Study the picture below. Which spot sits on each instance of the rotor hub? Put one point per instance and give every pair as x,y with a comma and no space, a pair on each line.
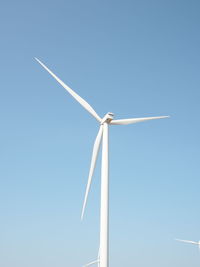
108,117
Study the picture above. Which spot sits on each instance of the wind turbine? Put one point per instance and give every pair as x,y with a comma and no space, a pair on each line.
102,136
189,242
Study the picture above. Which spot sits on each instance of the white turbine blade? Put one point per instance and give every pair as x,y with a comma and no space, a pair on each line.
99,257
70,91
93,262
92,166
135,120
188,241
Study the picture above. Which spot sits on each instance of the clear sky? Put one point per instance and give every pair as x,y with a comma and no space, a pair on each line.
132,58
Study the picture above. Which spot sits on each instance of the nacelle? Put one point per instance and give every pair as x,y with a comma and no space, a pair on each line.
107,118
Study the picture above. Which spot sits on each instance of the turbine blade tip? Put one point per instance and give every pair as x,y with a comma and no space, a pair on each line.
38,60
165,117
82,214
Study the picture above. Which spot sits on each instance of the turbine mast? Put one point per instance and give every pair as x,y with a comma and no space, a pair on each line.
104,209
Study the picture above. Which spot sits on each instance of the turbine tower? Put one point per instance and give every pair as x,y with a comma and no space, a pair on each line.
102,136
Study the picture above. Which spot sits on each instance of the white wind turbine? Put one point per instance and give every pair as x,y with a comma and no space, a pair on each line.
103,137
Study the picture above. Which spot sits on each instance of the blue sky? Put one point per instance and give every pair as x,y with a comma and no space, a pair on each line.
135,59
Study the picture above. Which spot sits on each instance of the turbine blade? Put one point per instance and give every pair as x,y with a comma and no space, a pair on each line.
135,120
72,93
188,241
92,166
99,257
93,262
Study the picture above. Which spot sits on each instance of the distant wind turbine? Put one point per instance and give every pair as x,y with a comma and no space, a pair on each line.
102,136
